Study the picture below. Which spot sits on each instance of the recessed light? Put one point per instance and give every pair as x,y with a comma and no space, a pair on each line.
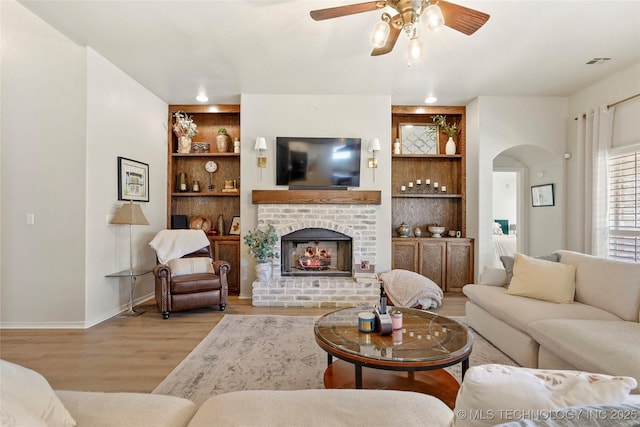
430,99
202,98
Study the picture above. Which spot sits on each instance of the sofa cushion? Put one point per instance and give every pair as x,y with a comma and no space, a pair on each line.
14,414
504,393
508,261
182,266
541,279
33,392
322,408
610,347
520,311
608,284
98,409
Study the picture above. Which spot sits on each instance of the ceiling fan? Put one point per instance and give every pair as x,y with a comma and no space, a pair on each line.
385,32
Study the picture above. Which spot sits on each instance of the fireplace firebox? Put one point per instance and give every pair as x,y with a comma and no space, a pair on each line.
316,252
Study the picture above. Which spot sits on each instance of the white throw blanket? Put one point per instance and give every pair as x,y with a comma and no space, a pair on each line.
408,289
172,244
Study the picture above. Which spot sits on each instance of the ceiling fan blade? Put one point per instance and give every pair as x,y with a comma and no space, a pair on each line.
461,18
391,42
351,9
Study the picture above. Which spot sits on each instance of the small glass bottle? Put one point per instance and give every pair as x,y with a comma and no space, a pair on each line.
182,182
236,145
196,186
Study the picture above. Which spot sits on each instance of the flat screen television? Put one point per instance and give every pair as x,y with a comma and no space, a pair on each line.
319,163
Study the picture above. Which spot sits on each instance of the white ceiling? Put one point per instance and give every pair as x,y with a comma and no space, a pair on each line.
179,48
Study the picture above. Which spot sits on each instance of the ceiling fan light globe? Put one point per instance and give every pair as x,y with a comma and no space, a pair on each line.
379,34
434,20
415,49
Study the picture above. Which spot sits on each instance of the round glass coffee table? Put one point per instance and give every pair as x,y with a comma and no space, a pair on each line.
411,358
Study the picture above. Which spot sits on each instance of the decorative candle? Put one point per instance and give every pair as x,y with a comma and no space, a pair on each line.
418,182
410,184
366,321
396,319
427,181
435,185
444,188
403,188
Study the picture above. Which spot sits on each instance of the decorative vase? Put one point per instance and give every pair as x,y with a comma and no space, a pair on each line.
222,142
221,225
450,148
403,230
184,144
263,271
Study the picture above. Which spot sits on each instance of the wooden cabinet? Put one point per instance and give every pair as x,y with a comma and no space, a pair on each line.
446,261
211,201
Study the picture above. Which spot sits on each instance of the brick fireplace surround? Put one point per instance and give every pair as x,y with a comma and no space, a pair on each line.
357,221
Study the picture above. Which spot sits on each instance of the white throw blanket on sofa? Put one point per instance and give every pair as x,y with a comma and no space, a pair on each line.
172,244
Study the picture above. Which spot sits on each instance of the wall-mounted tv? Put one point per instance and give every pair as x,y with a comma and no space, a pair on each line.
320,163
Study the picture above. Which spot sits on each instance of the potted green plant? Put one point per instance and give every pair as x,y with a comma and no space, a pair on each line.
222,140
450,130
261,245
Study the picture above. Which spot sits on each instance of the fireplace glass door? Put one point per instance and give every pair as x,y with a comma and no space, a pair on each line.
316,252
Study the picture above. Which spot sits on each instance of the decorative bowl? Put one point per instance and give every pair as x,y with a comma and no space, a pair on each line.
435,231
200,147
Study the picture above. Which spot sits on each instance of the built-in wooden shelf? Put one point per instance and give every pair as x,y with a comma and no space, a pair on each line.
339,197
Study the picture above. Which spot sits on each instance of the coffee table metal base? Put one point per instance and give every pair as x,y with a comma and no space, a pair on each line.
438,382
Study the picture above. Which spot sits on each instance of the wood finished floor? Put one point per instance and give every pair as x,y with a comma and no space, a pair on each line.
134,354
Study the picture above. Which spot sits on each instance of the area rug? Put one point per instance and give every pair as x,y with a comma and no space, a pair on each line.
269,353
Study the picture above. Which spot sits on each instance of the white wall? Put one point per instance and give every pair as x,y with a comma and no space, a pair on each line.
68,114
626,131
365,117
123,119
496,124
504,196
43,173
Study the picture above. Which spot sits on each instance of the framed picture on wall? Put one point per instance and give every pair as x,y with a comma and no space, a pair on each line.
133,180
542,195
235,226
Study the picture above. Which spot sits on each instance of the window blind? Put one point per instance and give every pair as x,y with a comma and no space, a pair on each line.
624,206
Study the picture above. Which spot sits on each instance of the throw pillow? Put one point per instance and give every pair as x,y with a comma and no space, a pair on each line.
195,265
33,392
543,280
507,262
14,414
408,289
492,394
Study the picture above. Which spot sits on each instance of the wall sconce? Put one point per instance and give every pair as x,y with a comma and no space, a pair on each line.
261,145
374,146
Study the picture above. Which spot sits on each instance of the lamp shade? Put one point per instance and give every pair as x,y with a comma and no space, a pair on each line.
129,214
261,143
374,145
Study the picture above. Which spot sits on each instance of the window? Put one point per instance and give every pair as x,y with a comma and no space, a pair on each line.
624,204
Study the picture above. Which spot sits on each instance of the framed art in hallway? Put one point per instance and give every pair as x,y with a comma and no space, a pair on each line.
542,195
133,180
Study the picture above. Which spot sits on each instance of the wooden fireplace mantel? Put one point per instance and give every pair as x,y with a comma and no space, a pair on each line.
326,197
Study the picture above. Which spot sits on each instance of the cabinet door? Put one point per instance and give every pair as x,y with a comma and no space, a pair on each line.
433,261
229,250
405,255
459,265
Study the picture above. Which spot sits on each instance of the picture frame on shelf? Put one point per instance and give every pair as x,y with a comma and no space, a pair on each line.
542,195
419,138
133,180
235,226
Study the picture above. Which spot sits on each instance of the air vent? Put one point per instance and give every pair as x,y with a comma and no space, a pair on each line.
598,61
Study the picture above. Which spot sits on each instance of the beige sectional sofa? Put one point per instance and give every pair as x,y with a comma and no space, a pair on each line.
598,332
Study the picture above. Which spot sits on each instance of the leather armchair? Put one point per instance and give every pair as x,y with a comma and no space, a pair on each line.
190,291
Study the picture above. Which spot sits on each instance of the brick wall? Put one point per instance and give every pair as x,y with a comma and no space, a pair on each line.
357,222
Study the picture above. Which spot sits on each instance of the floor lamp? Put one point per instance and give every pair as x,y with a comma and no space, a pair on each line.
130,214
